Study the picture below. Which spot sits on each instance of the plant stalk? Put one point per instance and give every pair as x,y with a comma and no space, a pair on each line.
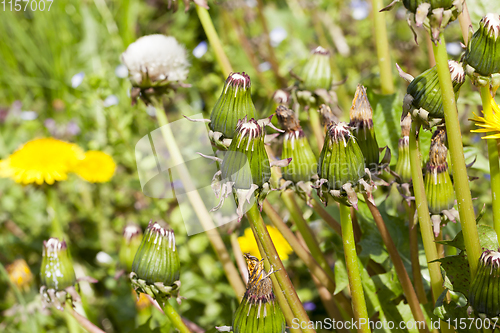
238,256
415,264
174,317
493,158
84,322
270,253
404,279
351,261
213,39
423,213
306,232
198,204
316,127
460,178
307,258
382,42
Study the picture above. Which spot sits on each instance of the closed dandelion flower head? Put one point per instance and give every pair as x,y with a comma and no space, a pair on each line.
155,60
20,274
489,124
41,161
248,244
96,167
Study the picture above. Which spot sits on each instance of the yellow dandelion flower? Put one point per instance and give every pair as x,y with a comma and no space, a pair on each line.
96,167
20,274
248,244
41,160
490,124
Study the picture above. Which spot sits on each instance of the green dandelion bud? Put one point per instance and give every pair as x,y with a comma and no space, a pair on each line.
482,56
131,240
245,168
341,165
484,292
57,274
303,166
403,167
155,270
234,103
317,73
424,99
438,186
258,311
361,115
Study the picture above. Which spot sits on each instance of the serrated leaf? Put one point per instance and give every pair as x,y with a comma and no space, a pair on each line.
487,239
457,273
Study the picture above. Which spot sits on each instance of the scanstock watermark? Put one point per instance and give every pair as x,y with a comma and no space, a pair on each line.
330,324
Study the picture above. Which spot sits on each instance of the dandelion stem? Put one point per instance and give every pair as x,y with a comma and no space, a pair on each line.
317,127
493,158
351,260
213,38
423,212
52,204
84,322
198,204
313,266
270,50
461,180
382,42
270,253
296,214
415,264
174,317
401,272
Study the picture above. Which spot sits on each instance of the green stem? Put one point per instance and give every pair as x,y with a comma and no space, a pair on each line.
493,158
213,39
174,317
423,213
316,127
415,264
307,258
52,203
198,204
306,232
460,178
270,253
383,54
270,50
84,322
404,279
351,260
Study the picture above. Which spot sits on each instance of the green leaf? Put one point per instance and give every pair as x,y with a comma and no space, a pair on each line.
457,273
386,120
341,278
487,238
454,312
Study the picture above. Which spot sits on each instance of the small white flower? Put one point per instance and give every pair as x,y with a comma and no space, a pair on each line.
159,57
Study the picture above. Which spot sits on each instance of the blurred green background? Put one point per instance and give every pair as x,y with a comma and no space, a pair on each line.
43,55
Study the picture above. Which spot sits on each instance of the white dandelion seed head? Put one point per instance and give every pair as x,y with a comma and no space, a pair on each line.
160,57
